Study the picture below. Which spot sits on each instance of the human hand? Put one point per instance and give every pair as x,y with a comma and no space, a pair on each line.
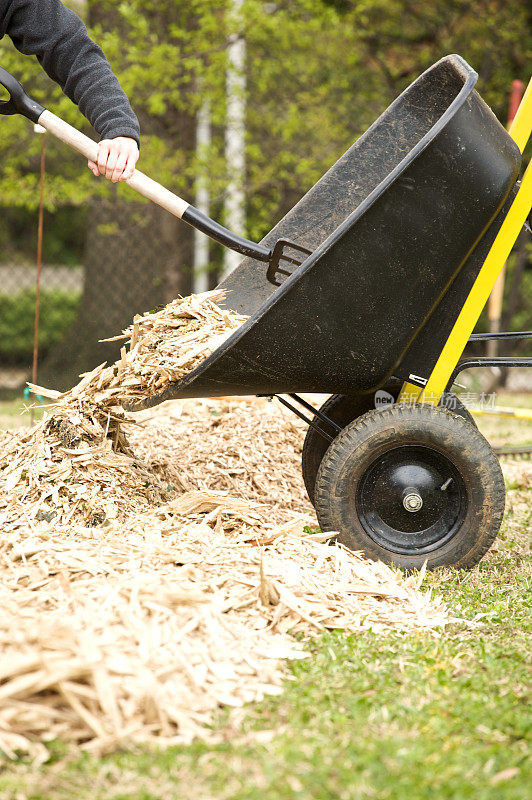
116,158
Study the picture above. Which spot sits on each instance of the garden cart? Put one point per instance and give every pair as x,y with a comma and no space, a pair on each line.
401,242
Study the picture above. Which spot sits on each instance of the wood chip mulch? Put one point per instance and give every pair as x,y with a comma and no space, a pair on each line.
148,579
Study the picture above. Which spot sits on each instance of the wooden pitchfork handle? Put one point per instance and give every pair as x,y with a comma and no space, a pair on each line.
20,103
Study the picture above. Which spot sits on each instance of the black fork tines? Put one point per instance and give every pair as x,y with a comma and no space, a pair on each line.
279,257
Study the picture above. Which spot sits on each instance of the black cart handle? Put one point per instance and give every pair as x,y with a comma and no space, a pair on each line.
20,103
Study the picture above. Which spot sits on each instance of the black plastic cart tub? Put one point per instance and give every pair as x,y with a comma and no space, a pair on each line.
397,227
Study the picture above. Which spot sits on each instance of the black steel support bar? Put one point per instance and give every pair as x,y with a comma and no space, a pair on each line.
303,417
319,414
486,337
499,361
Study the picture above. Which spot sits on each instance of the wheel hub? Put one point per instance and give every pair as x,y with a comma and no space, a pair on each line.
411,499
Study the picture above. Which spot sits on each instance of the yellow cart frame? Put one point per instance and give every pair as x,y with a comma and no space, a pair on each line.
445,368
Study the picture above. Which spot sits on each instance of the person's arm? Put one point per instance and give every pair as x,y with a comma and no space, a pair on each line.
58,37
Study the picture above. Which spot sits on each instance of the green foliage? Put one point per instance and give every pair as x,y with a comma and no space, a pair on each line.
68,182
318,73
58,311
64,232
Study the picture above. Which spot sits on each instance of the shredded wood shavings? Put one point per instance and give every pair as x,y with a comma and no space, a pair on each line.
144,583
164,346
77,464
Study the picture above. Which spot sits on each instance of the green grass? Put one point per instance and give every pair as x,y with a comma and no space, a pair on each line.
13,414
368,716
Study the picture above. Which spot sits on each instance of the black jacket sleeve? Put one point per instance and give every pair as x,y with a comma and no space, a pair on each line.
58,37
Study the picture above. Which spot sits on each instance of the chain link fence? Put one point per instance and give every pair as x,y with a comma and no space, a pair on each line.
133,257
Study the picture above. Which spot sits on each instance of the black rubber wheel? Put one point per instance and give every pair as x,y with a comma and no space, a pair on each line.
409,484
343,409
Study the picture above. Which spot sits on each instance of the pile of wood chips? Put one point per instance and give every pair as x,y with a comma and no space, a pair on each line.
76,464
146,583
